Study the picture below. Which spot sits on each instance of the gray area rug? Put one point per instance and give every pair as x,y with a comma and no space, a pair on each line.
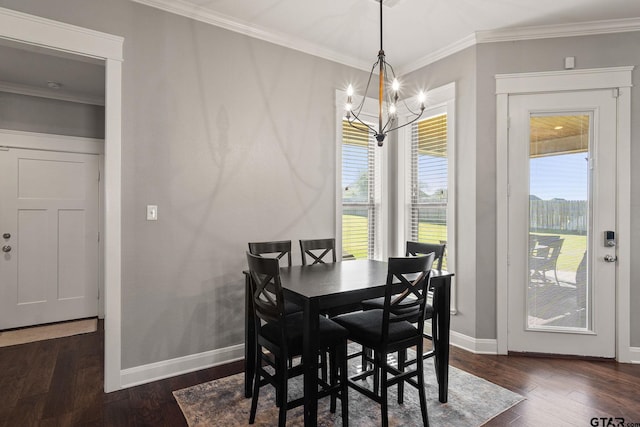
472,402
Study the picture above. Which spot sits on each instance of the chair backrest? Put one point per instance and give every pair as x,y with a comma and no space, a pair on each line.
328,246
266,289
417,248
281,248
406,290
554,250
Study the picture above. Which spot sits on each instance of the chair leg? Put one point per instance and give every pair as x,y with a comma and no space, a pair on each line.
283,379
382,368
323,365
402,357
333,377
421,391
344,386
256,385
376,372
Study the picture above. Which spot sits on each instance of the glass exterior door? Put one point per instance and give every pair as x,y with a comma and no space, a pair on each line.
561,170
559,222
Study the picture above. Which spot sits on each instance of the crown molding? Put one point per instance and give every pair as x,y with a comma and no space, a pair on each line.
189,10
50,93
457,46
18,26
560,30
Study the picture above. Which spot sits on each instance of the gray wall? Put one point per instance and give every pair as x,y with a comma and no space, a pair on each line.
461,69
234,140
44,115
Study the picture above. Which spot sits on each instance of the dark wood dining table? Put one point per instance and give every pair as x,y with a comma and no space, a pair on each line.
328,287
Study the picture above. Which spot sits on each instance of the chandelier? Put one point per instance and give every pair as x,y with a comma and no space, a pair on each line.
388,97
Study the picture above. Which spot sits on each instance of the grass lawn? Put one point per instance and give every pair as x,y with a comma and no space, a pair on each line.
356,227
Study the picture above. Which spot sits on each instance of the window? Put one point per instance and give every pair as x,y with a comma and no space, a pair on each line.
360,207
429,180
427,157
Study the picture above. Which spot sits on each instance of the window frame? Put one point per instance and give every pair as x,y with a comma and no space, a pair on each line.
440,100
369,113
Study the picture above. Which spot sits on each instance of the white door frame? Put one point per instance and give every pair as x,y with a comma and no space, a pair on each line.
34,30
616,78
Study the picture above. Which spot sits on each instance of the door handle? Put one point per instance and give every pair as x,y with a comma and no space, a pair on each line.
6,248
610,258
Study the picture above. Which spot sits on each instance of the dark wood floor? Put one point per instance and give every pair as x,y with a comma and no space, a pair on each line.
59,383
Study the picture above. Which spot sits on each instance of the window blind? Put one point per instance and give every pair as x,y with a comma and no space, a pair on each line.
359,210
429,180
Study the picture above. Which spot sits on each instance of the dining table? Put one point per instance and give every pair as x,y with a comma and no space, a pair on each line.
322,288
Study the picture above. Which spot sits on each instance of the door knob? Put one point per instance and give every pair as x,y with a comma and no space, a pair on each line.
610,258
6,248
6,236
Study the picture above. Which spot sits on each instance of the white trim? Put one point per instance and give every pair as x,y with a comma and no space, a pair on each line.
189,10
437,55
634,353
474,345
438,101
623,226
181,365
49,142
508,84
560,30
208,16
564,80
341,97
33,30
49,93
21,27
369,111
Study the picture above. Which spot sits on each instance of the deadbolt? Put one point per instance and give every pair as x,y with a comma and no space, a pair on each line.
6,236
6,248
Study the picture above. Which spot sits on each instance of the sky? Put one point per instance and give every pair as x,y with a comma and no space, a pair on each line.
562,177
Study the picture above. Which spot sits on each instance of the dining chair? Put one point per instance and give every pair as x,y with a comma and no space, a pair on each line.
282,248
311,248
396,327
282,336
414,249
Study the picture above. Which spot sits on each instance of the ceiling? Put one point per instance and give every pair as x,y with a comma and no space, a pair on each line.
416,32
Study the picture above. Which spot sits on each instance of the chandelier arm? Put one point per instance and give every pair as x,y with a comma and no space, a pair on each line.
361,122
366,90
406,124
415,113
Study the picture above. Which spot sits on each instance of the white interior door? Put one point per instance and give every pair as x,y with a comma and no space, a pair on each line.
49,226
561,184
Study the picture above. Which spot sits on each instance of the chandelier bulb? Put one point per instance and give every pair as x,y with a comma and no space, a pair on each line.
395,85
392,109
350,91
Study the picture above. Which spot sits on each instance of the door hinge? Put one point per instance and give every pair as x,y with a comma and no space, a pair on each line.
508,260
99,175
509,122
616,92
508,190
98,236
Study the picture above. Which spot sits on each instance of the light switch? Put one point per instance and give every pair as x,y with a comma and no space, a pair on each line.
152,212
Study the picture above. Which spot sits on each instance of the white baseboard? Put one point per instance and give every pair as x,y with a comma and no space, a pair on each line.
474,345
634,355
490,346
181,365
